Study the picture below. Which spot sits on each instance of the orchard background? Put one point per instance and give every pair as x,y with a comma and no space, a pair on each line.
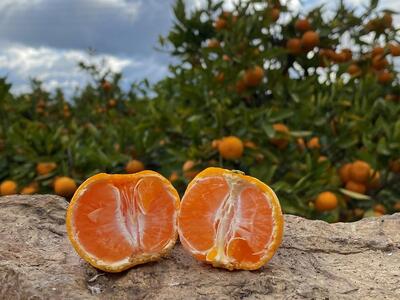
308,103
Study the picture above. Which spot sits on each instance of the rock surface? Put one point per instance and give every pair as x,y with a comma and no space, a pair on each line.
316,260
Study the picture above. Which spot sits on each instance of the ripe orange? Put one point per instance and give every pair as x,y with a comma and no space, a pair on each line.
254,76
356,187
302,25
281,130
173,177
112,103
8,187
374,181
385,77
220,77
220,24
394,166
313,143
45,168
360,171
239,225
106,86
226,57
274,14
250,145
64,186
379,62
377,51
309,40
294,46
134,166
379,208
344,173
231,147
213,43
115,222
354,70
240,86
326,201
394,49
30,189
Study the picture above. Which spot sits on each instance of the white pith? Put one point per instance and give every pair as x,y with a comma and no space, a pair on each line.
226,228
131,225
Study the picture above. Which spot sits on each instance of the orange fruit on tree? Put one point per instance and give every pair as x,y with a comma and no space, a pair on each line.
394,165
274,14
254,76
379,62
112,103
8,187
231,147
220,24
344,173
44,168
301,145
309,40
282,130
326,201
213,43
360,171
356,187
250,145
302,25
30,189
220,77
374,181
188,169
239,225
240,86
118,221
64,186
134,166
106,86
354,70
173,177
214,144
377,51
226,58
347,53
313,143
385,77
294,46
322,158
379,208
396,206
394,49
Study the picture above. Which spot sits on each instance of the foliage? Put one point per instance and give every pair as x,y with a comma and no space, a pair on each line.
209,95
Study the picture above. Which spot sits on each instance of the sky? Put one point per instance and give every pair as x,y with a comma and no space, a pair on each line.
45,39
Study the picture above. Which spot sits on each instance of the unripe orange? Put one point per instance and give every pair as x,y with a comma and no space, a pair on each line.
326,201
231,147
134,166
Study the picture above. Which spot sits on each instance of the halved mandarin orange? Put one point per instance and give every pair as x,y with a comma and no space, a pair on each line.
230,220
118,221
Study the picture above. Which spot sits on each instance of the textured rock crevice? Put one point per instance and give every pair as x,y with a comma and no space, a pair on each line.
316,260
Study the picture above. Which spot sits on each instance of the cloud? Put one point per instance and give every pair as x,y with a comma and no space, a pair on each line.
59,68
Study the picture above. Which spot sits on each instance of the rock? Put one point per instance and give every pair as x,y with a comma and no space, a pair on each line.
317,260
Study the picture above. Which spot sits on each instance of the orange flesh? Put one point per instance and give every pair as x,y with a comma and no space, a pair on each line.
226,220
115,219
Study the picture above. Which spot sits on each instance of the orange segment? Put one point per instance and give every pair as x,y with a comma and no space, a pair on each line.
117,221
230,220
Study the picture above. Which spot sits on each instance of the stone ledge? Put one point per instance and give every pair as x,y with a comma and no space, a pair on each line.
317,260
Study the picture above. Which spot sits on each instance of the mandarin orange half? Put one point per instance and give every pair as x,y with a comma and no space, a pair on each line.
230,220
118,221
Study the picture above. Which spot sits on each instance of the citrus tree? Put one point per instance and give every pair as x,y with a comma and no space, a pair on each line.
308,102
